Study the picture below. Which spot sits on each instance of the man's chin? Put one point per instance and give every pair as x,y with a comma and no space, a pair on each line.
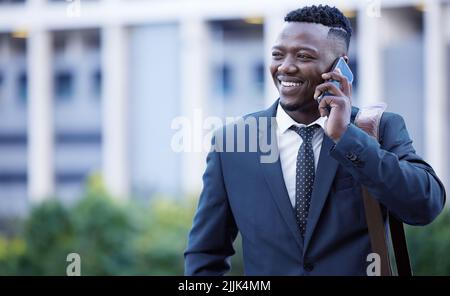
293,104
289,106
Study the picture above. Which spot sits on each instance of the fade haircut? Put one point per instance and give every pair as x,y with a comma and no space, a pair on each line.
332,17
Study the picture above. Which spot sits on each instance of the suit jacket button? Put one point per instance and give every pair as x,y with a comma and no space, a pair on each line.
351,156
308,266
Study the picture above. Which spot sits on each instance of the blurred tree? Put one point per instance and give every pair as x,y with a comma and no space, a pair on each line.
429,246
134,238
48,234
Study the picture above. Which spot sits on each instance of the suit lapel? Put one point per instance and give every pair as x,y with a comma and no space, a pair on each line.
274,175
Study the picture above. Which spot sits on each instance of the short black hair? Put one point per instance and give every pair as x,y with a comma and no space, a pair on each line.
328,16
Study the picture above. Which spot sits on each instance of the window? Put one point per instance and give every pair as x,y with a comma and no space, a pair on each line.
60,41
19,139
9,177
78,138
259,71
91,39
11,1
22,86
19,46
97,83
70,177
64,85
223,75
1,85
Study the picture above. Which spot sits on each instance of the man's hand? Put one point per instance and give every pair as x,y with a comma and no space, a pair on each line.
339,101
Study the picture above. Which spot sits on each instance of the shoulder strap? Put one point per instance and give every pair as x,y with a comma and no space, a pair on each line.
377,233
400,246
368,119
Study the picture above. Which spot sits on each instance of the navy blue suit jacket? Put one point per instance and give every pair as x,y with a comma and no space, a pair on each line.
240,193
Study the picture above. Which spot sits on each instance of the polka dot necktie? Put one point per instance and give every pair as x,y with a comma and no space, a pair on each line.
304,176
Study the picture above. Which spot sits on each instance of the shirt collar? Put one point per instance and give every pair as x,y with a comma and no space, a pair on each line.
284,121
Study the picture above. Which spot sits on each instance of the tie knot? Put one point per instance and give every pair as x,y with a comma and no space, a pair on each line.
306,133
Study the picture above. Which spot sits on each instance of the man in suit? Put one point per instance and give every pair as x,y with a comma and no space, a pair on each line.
303,213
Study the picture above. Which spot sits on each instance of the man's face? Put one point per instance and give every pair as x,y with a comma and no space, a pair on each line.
300,55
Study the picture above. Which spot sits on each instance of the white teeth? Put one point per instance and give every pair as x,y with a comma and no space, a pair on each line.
289,84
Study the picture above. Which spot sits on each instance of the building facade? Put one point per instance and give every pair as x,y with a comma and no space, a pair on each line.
93,87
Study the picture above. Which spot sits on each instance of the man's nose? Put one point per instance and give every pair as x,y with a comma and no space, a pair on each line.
288,66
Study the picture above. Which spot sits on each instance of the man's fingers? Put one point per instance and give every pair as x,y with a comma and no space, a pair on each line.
328,87
324,106
343,81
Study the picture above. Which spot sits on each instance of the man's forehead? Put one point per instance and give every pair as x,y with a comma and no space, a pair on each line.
301,29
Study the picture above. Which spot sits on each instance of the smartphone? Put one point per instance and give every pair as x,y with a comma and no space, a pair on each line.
340,64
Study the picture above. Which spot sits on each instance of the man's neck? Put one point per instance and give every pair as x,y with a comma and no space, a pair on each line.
303,116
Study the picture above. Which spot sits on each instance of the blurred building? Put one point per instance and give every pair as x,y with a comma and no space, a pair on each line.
93,86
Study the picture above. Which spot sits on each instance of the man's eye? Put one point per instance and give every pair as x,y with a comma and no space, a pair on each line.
276,54
304,57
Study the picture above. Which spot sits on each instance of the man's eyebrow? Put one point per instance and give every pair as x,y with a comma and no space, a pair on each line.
306,48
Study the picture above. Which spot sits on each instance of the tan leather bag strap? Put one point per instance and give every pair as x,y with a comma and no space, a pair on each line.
377,231
368,119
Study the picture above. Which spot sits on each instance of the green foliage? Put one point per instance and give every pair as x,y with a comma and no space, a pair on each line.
49,235
108,236
11,252
132,238
111,237
429,246
163,237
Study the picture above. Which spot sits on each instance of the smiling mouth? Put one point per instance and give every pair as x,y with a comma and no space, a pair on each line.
290,84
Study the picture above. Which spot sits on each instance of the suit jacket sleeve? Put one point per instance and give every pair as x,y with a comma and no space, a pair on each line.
210,242
392,172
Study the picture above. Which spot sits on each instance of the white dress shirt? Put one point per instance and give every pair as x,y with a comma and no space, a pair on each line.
288,144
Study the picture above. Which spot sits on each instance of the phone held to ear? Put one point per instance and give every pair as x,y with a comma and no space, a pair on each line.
340,64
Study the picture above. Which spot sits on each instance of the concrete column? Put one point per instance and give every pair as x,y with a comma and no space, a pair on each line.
369,57
194,59
447,23
436,94
40,116
114,110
